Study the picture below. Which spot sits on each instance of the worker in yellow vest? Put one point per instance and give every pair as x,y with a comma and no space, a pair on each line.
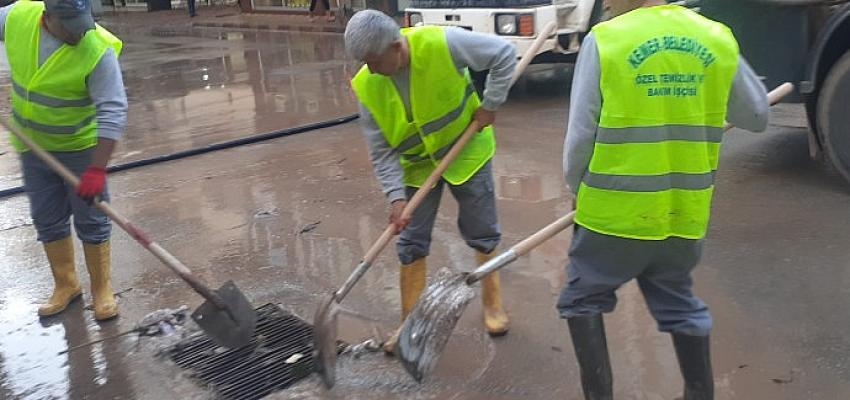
416,99
68,97
651,91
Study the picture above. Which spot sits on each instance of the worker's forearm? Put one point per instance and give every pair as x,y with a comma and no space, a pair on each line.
585,108
481,52
103,152
748,107
498,83
106,89
4,12
385,159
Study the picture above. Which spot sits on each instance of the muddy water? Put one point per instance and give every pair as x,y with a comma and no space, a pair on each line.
210,86
774,270
215,86
429,326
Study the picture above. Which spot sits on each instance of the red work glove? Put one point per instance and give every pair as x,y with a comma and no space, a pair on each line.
92,183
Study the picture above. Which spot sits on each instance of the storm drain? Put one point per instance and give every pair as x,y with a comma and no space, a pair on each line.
280,354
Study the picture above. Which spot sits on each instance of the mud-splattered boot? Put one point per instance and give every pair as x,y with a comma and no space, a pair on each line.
60,254
495,319
411,282
694,357
98,261
591,348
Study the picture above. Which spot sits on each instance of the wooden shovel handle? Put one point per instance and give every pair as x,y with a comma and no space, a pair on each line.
140,236
522,248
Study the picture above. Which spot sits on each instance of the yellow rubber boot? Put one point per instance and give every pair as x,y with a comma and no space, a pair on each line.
60,254
98,261
495,319
411,282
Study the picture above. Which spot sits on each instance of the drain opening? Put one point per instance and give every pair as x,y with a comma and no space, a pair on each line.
279,355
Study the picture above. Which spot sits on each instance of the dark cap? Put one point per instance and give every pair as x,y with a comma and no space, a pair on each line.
75,15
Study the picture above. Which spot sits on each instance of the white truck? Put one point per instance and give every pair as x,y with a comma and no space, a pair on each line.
518,21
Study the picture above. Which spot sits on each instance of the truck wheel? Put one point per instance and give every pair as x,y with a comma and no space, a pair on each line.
833,118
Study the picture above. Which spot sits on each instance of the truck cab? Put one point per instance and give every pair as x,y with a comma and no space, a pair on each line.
518,21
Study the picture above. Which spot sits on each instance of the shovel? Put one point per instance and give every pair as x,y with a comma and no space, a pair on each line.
325,319
227,316
427,329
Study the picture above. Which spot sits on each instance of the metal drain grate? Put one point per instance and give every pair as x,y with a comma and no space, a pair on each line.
280,354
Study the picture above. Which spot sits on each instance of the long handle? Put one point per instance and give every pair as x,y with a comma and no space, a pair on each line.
137,234
435,176
522,248
773,97
554,228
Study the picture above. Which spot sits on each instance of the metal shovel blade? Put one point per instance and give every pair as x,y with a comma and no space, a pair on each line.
230,326
427,329
324,340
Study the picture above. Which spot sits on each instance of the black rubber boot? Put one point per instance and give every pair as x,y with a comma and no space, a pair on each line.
694,357
591,348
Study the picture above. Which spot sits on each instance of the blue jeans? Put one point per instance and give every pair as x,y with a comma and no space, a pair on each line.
53,202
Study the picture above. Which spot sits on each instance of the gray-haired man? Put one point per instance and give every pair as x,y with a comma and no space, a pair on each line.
416,99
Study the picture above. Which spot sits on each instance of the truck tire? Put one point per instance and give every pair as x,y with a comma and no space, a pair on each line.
833,117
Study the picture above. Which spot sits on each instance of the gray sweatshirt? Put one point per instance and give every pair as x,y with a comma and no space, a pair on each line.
476,51
106,87
747,109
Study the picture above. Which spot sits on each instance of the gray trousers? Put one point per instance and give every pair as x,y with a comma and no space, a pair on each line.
599,264
476,219
52,201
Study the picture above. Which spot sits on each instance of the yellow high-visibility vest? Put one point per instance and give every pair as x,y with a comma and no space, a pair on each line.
442,103
51,103
666,75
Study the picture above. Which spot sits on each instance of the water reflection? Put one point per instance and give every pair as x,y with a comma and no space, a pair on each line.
31,365
232,85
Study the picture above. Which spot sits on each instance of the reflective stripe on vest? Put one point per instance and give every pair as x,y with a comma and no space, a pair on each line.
442,104
666,73
50,102
52,129
649,183
434,126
